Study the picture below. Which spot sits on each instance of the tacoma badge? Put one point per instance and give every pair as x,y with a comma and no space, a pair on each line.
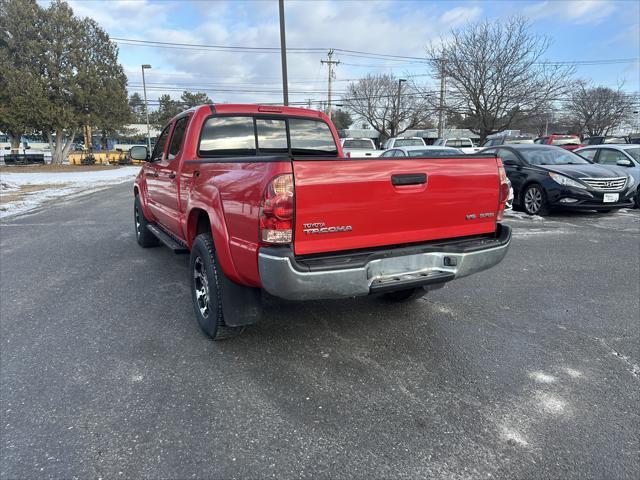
312,228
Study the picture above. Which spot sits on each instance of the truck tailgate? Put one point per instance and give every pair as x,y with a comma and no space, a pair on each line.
344,204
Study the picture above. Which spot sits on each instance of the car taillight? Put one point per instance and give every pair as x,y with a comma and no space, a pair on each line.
348,155
276,210
504,190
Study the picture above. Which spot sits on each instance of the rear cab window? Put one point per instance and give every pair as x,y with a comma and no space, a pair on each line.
363,144
408,142
250,136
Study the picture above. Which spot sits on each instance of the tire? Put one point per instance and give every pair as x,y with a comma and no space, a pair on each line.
638,198
206,292
534,200
144,237
405,295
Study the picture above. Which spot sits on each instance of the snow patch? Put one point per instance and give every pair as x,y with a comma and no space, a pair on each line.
509,435
551,403
71,183
542,377
523,216
573,373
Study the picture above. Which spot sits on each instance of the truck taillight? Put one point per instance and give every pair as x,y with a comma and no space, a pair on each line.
504,190
276,210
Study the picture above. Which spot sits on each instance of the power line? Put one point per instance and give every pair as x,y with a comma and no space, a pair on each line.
343,51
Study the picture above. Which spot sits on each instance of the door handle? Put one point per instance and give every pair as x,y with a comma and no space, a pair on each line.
409,179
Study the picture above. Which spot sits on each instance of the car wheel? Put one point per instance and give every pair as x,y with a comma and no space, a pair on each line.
205,289
534,200
404,295
144,237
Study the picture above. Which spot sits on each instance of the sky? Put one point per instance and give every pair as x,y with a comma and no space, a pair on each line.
583,30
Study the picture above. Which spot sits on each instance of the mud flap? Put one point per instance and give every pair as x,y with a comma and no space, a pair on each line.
241,305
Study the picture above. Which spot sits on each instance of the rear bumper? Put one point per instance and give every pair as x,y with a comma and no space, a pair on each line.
429,265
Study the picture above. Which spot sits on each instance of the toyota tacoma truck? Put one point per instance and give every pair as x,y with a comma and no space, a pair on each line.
262,198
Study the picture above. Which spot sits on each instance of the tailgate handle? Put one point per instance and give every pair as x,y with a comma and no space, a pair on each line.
409,179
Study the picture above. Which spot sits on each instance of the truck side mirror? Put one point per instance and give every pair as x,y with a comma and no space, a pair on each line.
509,162
139,152
624,163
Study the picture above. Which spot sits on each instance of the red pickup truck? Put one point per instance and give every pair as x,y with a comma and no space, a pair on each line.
263,198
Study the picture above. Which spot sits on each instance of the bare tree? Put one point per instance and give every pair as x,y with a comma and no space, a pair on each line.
598,110
388,107
495,74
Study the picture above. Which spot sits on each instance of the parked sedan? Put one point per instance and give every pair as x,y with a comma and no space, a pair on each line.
624,155
545,177
424,151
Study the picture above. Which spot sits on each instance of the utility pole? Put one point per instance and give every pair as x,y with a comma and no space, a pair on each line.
283,55
330,63
400,80
443,88
309,103
146,106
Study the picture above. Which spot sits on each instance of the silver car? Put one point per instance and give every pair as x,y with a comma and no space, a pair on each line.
623,155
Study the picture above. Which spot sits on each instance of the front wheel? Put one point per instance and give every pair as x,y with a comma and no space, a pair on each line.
206,294
534,200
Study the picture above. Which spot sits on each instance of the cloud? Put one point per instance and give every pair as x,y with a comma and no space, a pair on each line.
575,11
383,26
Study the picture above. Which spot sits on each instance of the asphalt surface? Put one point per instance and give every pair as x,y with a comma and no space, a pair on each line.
529,370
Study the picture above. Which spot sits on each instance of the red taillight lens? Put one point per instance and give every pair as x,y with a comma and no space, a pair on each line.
276,210
348,155
504,190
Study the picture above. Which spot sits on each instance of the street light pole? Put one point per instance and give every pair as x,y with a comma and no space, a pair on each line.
400,80
283,55
146,106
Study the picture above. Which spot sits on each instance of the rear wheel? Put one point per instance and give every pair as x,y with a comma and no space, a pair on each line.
206,289
144,237
405,295
534,200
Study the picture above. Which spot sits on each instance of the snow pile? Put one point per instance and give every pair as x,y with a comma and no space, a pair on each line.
70,183
8,186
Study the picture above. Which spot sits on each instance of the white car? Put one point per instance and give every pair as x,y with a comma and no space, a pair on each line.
464,144
426,151
359,147
395,142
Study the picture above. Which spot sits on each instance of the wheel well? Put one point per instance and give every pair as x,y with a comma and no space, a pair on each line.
199,222
136,192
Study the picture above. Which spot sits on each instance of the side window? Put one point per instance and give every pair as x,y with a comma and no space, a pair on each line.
589,154
311,137
508,157
228,136
177,137
466,143
400,153
158,150
272,135
610,157
387,154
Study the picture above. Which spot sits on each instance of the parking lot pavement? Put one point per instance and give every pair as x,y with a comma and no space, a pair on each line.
529,370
